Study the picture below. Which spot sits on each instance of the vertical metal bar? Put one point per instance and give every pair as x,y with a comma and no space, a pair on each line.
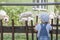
57,29
26,23
12,29
52,30
36,19
1,29
32,30
38,2
33,1
36,22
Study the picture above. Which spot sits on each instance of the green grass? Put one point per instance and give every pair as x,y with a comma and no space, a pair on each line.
17,36
22,36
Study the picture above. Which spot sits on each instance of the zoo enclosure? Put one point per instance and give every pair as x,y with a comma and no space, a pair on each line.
26,29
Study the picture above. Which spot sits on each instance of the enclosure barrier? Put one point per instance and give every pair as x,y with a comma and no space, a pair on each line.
26,29
28,4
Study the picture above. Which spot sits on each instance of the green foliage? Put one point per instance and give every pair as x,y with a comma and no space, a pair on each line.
13,13
18,36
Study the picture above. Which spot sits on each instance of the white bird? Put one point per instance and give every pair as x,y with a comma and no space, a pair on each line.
26,16
2,12
4,16
52,15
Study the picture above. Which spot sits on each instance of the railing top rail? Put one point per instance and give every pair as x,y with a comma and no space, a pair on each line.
27,4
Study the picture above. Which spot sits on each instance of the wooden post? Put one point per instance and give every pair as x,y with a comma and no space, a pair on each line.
57,29
38,2
26,23
36,19
32,30
1,28
36,22
52,30
12,29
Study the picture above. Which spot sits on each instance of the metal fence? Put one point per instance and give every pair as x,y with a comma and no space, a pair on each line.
28,4
27,29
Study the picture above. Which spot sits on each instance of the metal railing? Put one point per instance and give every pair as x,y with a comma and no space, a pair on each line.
27,29
28,4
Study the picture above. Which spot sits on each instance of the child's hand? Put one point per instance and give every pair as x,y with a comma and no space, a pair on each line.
35,26
35,31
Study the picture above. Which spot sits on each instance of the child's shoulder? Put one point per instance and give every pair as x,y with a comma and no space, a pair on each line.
38,25
49,24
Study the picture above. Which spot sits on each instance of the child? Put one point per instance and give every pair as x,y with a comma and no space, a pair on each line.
44,28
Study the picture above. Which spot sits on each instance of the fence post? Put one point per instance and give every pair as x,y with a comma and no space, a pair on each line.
52,29
57,29
12,29
1,28
26,23
36,22
36,19
32,30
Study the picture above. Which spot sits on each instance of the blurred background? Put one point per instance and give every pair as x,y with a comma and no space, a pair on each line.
14,13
